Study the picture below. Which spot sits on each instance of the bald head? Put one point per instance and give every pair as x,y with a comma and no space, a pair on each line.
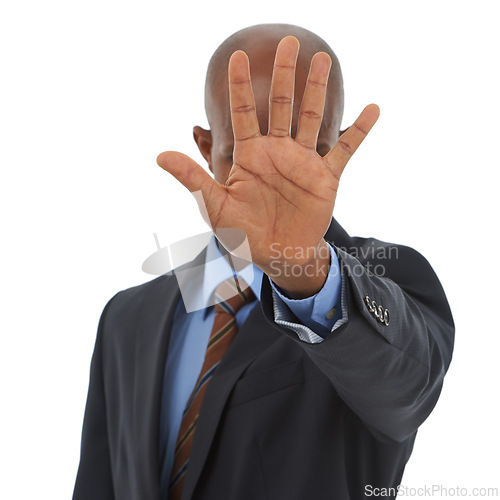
260,43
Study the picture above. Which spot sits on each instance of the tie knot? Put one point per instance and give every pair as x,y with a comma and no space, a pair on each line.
231,295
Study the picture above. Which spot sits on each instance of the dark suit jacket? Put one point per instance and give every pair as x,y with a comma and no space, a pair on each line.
282,419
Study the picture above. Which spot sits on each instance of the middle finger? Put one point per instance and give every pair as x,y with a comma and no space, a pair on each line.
282,87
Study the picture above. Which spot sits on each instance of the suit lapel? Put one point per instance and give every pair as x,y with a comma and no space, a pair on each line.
254,337
157,313
159,304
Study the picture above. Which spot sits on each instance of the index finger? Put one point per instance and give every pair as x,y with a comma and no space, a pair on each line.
241,99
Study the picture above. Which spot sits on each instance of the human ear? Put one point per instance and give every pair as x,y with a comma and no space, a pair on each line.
203,139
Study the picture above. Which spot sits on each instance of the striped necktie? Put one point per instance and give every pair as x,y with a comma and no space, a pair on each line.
230,296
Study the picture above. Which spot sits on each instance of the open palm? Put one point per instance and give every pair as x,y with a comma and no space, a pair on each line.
280,191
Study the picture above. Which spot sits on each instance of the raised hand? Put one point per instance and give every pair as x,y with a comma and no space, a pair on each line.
279,191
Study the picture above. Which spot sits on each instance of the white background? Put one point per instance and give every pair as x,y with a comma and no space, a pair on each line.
92,91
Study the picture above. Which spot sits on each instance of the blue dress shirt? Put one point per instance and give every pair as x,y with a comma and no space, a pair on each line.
320,314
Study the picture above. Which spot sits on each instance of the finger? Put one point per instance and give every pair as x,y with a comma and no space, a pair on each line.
313,101
282,87
241,99
350,140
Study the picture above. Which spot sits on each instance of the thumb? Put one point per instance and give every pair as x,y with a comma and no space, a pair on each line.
186,171
196,179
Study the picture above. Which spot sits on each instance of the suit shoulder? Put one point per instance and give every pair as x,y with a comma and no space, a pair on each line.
404,262
125,306
134,292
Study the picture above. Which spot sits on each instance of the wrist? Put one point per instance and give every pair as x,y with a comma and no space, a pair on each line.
300,280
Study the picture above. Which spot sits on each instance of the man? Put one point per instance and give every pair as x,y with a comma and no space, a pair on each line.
314,386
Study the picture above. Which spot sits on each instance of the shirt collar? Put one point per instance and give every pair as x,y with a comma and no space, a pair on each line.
217,269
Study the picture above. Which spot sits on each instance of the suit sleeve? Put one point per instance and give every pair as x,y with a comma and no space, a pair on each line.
388,369
94,480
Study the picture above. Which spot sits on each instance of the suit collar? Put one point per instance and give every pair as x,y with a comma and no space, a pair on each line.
336,235
217,269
